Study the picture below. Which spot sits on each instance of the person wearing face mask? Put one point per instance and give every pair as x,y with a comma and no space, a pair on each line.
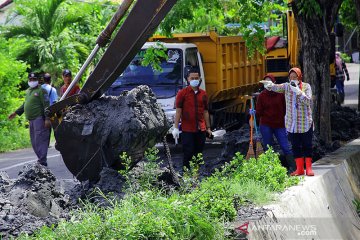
192,109
298,118
36,100
270,110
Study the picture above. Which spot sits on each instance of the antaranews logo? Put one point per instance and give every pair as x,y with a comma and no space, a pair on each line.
243,228
300,230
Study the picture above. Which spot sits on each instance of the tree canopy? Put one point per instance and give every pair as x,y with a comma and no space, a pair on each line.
229,17
347,15
57,34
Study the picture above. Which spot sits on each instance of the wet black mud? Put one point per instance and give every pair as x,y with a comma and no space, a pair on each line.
93,136
32,200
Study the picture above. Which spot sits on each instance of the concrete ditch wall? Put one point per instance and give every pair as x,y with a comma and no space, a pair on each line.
320,207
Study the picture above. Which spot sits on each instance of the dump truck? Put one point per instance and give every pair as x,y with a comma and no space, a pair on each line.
229,75
283,53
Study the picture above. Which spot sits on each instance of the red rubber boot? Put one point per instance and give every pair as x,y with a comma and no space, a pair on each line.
299,167
308,162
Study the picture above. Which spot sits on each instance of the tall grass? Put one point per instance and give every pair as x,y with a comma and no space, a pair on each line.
197,213
11,139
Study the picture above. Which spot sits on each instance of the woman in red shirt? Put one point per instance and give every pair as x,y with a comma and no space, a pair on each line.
271,109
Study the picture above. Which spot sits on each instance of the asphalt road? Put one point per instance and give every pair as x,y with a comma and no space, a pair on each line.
13,162
352,86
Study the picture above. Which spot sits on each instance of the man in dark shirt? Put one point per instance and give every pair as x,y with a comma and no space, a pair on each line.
192,108
36,100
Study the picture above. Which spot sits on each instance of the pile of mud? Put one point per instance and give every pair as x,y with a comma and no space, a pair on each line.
93,136
110,184
345,123
31,201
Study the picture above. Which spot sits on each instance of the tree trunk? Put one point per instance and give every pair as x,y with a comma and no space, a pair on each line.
357,6
314,31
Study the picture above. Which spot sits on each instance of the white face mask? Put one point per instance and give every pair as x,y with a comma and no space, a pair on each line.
33,84
194,83
295,81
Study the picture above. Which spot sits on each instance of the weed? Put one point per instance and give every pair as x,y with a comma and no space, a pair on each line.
191,176
267,169
357,205
198,210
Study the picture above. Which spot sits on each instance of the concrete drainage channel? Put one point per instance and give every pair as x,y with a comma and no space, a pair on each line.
320,207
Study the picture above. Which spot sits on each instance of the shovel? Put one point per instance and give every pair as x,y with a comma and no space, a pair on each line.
251,153
259,148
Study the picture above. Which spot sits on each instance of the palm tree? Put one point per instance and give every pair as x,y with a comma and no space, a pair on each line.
49,41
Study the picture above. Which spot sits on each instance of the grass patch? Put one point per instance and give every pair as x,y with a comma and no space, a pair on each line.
17,139
357,206
142,215
253,191
197,210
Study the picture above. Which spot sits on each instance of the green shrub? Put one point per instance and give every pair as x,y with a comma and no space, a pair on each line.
346,58
13,137
216,197
357,205
252,191
191,178
151,172
143,215
13,134
198,210
267,170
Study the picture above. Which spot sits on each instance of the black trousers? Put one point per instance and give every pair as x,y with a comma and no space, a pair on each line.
302,143
192,144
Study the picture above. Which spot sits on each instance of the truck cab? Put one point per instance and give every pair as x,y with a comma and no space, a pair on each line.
165,84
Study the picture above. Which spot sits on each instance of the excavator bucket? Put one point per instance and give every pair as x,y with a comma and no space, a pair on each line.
140,24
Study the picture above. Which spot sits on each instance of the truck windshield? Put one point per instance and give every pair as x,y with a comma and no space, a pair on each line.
163,83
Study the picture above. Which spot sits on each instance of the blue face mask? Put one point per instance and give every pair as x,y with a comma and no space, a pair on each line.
132,67
194,83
